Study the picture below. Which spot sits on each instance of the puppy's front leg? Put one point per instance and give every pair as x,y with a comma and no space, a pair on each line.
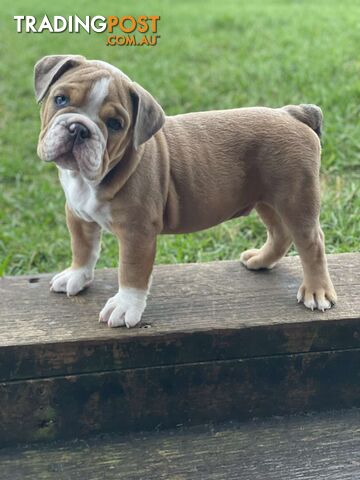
85,247
137,254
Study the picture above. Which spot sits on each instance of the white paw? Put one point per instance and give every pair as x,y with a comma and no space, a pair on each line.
72,280
125,308
319,298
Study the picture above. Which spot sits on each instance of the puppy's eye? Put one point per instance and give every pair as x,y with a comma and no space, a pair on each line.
61,100
113,124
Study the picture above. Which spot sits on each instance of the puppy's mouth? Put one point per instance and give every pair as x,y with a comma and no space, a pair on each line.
74,142
66,160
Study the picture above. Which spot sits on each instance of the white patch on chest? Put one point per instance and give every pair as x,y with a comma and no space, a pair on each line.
82,200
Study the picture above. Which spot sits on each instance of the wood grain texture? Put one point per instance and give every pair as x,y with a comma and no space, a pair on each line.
312,447
163,397
221,343
196,312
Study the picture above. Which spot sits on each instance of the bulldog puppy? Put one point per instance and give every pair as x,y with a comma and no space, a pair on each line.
127,168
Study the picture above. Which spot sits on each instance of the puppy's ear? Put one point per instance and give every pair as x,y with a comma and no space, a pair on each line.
48,69
149,116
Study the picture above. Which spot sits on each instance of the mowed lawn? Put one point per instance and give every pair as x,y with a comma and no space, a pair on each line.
211,55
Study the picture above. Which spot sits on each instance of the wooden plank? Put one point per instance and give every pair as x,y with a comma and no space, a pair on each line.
196,312
312,447
163,397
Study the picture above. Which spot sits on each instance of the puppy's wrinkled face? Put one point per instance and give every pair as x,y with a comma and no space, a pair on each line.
91,113
86,119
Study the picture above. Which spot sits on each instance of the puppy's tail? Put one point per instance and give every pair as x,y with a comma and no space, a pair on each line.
309,114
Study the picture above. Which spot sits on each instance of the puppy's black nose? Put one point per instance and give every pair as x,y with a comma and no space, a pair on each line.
79,131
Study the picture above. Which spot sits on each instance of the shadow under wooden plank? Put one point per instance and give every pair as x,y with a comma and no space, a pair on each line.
216,342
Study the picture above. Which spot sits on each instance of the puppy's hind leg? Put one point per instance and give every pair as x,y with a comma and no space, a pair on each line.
302,219
277,244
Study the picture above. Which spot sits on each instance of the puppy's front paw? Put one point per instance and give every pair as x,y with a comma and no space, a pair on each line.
125,308
72,280
320,298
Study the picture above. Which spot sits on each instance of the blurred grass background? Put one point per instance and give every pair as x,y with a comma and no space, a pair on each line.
211,55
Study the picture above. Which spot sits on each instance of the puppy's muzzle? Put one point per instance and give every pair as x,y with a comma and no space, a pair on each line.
74,142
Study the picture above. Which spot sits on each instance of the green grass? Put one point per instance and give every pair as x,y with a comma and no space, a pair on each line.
214,54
